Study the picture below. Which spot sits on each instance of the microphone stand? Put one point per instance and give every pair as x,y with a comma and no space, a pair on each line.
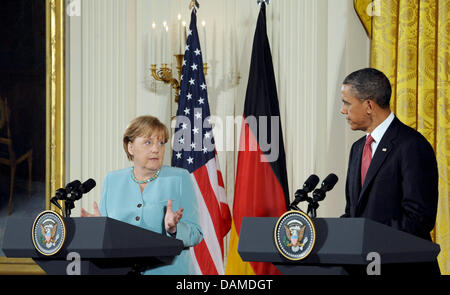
312,208
61,194
318,195
69,202
69,205
300,196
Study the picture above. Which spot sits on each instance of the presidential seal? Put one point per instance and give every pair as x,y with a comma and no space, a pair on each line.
48,233
295,235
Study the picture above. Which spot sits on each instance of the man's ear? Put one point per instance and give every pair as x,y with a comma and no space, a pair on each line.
370,106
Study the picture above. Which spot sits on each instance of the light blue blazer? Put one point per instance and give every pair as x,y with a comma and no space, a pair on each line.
122,200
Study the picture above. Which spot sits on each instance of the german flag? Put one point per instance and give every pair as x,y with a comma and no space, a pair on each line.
261,187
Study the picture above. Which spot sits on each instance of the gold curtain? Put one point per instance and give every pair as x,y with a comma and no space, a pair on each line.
410,43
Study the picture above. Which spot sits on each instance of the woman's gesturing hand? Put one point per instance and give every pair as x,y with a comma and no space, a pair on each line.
84,213
172,218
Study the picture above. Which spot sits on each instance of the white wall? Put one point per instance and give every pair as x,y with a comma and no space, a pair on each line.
315,43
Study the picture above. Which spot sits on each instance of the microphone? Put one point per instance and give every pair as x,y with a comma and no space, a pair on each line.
72,186
83,188
319,194
301,195
87,186
60,194
75,190
327,184
310,183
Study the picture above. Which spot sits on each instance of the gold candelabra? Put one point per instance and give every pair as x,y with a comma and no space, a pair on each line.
165,74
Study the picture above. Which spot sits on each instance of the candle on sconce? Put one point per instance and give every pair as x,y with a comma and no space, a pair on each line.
183,37
179,30
168,46
165,29
236,55
153,41
204,41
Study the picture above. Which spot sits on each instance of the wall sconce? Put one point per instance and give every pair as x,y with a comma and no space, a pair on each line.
164,73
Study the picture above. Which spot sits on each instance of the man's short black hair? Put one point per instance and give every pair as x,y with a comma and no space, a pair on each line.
372,84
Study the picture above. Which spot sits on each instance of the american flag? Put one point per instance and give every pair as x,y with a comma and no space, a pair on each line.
194,150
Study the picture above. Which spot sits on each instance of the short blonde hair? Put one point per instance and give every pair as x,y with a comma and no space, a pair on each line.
144,126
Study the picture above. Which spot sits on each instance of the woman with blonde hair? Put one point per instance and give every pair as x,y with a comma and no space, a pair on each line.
151,195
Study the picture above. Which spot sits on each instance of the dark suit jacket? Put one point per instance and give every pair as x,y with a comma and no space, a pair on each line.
401,185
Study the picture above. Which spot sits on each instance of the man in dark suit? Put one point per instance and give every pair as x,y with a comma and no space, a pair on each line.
392,176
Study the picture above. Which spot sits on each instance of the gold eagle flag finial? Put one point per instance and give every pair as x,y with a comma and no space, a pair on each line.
194,4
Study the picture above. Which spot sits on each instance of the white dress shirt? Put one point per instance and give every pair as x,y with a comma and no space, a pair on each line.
377,133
